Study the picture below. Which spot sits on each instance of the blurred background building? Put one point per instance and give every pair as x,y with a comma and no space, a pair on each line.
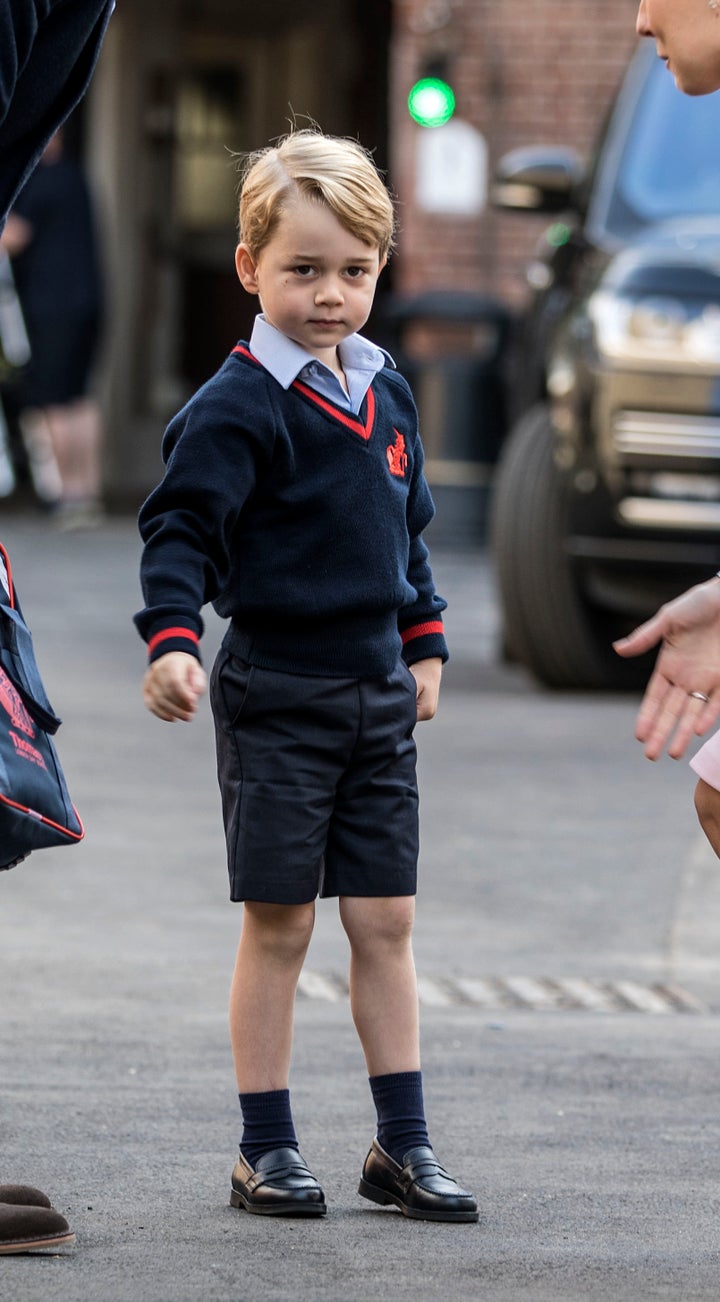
183,85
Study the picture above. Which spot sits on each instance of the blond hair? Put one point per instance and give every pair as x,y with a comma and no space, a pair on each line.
333,170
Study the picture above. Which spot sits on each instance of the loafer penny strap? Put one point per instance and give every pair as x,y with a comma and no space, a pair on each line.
424,1170
281,1171
419,1167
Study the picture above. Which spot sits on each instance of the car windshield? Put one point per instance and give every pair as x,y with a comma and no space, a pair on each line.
669,165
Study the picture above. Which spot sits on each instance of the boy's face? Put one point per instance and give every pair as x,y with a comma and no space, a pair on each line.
315,281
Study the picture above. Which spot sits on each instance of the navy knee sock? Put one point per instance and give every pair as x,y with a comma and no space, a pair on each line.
398,1100
267,1123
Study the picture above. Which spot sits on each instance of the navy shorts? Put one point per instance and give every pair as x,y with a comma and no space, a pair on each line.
318,782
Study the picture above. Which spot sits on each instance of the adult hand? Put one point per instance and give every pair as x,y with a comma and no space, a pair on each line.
173,685
427,675
688,662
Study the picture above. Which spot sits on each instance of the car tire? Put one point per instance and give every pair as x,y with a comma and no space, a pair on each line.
548,624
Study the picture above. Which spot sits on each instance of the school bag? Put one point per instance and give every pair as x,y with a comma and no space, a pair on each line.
35,806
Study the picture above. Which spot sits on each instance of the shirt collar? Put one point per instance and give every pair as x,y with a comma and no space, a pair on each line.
285,359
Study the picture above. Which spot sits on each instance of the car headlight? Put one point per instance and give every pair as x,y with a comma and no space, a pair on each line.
655,329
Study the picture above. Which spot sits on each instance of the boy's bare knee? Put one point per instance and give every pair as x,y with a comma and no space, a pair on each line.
372,922
281,930
396,923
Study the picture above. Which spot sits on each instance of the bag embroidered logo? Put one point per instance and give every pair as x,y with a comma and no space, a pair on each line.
10,699
26,751
397,456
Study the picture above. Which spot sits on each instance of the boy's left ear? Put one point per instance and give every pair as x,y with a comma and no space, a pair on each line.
246,269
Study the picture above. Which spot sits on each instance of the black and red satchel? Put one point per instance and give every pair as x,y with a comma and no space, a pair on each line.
35,807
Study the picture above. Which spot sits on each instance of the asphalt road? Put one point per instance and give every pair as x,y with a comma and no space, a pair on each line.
567,948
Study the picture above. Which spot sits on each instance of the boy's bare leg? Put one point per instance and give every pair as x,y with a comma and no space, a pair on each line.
273,944
707,804
401,1167
383,985
270,1177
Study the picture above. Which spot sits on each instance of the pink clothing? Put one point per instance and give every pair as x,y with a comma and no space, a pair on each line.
707,762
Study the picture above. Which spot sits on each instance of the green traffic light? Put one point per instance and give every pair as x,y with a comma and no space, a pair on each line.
431,102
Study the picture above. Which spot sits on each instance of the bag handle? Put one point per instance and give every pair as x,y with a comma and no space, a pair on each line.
17,657
7,579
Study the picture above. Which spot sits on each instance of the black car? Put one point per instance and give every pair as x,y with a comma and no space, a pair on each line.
607,495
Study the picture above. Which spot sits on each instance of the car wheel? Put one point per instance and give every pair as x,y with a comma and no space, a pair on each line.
549,625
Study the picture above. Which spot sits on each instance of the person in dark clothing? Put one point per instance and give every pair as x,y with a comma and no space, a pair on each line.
50,236
48,52
294,499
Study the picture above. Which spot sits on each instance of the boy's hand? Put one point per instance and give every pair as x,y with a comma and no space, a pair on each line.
173,685
427,675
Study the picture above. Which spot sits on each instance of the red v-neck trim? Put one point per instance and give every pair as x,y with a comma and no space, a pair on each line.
245,352
359,426
355,423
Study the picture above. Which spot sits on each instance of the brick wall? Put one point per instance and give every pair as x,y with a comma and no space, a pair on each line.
525,72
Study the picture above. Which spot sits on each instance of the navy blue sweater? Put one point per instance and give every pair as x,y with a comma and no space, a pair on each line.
298,520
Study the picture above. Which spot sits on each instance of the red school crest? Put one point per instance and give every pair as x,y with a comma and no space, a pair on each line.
397,456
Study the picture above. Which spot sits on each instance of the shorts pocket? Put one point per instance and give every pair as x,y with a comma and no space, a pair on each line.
231,682
409,683
408,677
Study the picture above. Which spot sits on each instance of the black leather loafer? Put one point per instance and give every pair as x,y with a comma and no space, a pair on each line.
422,1189
280,1185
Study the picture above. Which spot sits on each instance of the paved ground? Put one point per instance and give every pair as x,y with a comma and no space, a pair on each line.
565,888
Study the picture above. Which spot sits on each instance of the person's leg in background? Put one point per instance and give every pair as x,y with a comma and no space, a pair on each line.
75,432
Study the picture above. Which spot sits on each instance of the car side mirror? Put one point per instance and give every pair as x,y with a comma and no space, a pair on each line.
539,179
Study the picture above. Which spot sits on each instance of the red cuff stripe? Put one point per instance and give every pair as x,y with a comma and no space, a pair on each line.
422,630
165,633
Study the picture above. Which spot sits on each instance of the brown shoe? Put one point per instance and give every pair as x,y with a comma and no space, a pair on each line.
27,1227
24,1194
421,1188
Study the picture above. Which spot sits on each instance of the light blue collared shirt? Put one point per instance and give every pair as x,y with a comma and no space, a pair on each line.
287,361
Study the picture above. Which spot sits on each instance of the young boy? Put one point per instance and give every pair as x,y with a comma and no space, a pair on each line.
294,500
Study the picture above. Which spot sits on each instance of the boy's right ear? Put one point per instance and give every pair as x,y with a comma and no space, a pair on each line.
246,269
